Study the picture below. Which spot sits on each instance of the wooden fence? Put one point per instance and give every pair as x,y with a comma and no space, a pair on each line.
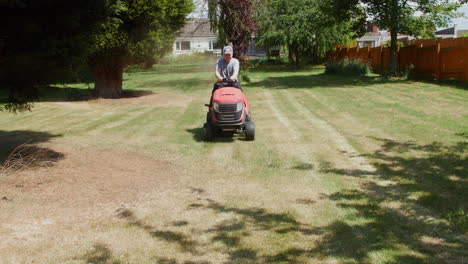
435,59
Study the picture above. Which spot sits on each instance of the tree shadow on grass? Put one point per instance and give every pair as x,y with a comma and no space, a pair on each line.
181,85
314,77
419,202
230,232
99,254
285,68
314,80
385,220
77,94
19,150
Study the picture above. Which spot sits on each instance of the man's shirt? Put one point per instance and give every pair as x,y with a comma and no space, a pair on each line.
228,70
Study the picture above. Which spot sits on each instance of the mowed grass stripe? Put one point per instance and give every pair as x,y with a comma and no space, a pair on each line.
50,122
154,119
259,158
399,118
101,119
37,112
120,123
186,131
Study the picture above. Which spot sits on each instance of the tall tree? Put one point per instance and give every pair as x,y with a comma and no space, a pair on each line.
42,42
136,32
418,18
306,26
234,22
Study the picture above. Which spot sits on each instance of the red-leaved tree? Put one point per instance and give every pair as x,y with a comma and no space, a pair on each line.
234,22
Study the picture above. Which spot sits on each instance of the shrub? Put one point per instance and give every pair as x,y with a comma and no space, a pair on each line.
347,67
406,72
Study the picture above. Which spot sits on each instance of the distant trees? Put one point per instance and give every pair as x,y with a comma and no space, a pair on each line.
306,26
43,42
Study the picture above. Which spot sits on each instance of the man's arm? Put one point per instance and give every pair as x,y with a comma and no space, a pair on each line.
217,74
236,71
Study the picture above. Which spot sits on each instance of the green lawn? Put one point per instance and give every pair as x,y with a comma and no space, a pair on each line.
343,170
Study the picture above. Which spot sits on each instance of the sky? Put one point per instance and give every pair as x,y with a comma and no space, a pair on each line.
462,23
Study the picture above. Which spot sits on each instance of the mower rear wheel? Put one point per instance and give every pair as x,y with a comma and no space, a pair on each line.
249,131
208,132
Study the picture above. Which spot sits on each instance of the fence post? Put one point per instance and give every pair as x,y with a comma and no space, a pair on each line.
437,64
465,57
368,59
381,56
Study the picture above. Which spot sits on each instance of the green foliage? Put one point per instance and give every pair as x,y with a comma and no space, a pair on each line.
139,31
347,68
306,26
459,219
43,42
417,17
404,73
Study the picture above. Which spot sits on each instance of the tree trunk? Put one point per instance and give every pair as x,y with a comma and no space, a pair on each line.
296,54
393,53
108,80
291,54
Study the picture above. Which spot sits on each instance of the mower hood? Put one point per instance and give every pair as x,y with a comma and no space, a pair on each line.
228,95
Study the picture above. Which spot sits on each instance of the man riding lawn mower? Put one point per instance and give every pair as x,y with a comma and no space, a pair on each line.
228,111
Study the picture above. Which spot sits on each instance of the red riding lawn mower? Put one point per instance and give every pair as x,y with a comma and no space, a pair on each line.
228,114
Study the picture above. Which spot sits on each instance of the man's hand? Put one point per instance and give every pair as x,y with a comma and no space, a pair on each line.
220,79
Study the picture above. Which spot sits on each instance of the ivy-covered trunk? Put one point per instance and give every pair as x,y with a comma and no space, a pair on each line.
293,55
393,53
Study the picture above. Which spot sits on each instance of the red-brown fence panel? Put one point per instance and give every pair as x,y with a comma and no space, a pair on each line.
439,59
426,61
353,53
407,56
363,54
385,58
375,57
343,53
452,63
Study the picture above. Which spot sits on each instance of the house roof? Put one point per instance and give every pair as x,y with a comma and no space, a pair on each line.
198,27
370,38
447,31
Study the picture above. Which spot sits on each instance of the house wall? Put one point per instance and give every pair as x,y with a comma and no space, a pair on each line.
197,45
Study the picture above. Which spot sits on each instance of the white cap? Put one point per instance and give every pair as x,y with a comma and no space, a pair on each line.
228,50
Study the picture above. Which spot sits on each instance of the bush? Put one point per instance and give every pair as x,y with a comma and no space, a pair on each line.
347,67
402,72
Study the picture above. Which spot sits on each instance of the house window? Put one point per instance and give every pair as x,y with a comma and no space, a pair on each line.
182,45
213,44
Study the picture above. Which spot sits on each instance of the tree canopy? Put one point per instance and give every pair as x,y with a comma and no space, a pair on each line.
44,42
41,41
306,26
136,32
234,22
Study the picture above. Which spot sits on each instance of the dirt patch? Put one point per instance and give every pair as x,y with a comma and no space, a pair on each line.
85,185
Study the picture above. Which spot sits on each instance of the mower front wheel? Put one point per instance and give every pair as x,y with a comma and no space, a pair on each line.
249,131
208,132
